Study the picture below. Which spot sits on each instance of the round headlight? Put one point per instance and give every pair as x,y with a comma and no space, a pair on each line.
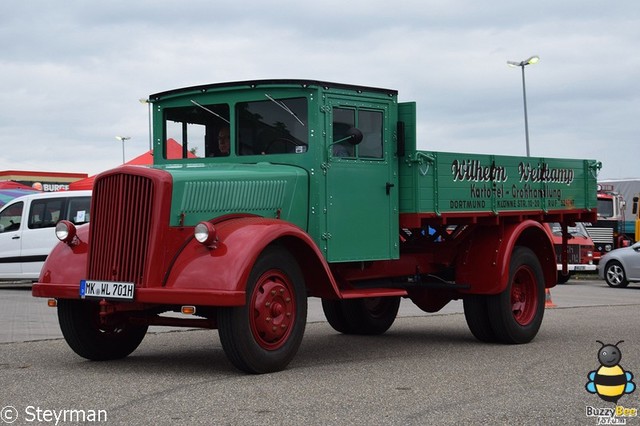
65,231
205,233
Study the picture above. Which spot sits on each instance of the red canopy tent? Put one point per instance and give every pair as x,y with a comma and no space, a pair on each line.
174,150
12,184
79,185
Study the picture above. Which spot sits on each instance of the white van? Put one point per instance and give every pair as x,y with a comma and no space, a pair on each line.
27,229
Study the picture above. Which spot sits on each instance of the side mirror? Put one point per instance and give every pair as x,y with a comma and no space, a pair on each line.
354,136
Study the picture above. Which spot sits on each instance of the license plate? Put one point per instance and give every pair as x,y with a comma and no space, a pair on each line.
580,268
106,290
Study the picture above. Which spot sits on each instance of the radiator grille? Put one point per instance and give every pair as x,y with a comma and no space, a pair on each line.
601,235
120,228
573,254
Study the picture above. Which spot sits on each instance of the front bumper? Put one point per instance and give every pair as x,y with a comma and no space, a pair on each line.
153,295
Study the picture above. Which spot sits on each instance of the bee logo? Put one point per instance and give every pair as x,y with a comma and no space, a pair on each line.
610,381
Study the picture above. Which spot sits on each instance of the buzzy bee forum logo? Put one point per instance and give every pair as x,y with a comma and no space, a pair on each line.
610,382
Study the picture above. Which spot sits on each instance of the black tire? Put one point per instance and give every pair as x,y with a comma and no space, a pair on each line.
614,275
367,316
516,313
562,278
264,335
476,314
334,312
79,322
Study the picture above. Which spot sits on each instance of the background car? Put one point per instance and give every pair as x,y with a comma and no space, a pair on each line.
27,229
621,266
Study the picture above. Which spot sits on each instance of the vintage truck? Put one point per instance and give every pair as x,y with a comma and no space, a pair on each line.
579,248
289,189
617,216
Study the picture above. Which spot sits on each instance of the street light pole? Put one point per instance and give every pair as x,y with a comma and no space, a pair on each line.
123,138
146,101
532,60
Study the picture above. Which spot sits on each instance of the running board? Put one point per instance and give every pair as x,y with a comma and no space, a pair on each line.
399,287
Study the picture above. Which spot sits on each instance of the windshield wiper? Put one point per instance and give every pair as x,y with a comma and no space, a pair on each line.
284,107
209,111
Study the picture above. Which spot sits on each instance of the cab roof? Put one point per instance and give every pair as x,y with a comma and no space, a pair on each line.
273,82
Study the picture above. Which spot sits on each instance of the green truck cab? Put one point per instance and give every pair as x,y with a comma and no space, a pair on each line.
263,193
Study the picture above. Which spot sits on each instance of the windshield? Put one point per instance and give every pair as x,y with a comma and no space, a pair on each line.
605,207
272,126
269,126
193,131
575,231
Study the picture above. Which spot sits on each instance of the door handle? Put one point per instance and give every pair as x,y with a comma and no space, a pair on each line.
15,237
389,186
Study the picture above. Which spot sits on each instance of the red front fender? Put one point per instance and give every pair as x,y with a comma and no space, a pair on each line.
225,268
64,265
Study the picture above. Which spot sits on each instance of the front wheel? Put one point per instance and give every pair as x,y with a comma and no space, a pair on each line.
80,324
516,313
264,335
614,275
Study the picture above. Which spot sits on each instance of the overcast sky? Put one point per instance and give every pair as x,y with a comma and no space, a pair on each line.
72,72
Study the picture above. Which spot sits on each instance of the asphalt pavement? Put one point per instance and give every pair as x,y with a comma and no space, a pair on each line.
25,318
427,369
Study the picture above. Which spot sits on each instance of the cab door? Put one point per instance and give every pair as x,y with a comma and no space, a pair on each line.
362,182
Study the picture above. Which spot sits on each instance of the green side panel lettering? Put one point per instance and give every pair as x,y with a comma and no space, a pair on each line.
440,182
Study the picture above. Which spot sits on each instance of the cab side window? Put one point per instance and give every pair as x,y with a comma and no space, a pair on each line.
369,122
11,217
45,213
343,120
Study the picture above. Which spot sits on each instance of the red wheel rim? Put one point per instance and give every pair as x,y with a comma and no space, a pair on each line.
274,307
524,300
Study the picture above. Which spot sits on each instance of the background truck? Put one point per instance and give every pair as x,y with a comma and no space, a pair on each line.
615,226
288,189
579,250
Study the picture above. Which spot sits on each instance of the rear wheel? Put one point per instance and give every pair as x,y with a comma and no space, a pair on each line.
614,275
516,313
367,316
563,278
334,312
476,314
264,335
81,328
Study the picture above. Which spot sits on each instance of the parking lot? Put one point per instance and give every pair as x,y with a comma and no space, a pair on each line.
26,318
427,369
